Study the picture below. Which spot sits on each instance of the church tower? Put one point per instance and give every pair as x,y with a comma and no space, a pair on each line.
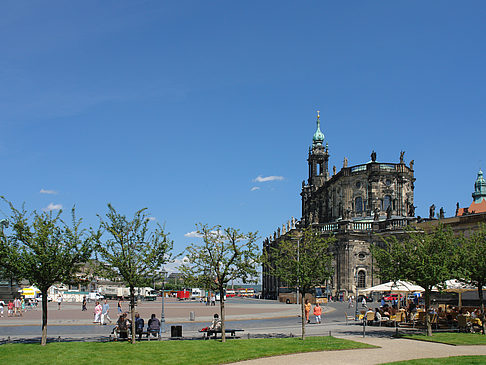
479,188
318,158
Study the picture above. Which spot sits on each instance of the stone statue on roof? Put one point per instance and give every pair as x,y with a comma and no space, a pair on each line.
334,170
373,156
345,162
432,211
411,164
376,215
402,153
441,213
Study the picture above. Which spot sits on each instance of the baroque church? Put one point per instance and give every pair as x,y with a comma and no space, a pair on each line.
358,205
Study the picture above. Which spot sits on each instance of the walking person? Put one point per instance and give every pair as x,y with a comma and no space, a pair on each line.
22,306
59,301
317,313
104,312
17,307
2,305
97,313
119,305
84,305
350,301
10,308
307,309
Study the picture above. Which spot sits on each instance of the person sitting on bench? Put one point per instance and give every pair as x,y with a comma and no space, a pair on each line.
122,325
139,324
216,324
153,326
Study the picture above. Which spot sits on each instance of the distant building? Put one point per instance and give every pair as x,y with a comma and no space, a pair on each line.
360,204
478,204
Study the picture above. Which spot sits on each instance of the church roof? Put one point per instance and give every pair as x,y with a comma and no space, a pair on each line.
474,208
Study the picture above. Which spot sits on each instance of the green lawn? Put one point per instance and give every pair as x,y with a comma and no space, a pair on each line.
452,338
167,352
453,360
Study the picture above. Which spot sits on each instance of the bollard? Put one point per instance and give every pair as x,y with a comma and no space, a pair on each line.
364,328
192,316
329,333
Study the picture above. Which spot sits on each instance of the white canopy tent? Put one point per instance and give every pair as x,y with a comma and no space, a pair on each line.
395,287
457,286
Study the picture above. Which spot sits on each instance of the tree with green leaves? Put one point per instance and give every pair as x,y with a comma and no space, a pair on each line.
473,263
43,249
427,259
302,259
129,250
225,254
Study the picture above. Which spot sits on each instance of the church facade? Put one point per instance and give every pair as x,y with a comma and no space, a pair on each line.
359,205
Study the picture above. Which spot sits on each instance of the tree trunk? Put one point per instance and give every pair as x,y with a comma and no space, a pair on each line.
44,317
480,292
132,311
302,307
428,325
221,306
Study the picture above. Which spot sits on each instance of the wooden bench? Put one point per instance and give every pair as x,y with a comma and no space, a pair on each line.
155,333
209,333
117,334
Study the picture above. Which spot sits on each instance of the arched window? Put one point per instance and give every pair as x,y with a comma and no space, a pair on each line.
358,204
386,202
361,279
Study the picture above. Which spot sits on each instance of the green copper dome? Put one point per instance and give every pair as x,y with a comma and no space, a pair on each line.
479,188
318,136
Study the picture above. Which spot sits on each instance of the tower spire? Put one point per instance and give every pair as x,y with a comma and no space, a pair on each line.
318,136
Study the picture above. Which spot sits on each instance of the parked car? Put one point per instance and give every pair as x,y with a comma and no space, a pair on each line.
368,299
391,297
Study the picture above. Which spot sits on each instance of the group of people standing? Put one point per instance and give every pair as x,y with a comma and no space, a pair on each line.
317,311
15,308
101,313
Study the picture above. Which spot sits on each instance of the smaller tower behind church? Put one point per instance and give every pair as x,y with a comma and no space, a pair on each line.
318,158
479,188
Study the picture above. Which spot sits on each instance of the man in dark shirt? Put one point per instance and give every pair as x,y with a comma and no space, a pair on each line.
153,325
139,324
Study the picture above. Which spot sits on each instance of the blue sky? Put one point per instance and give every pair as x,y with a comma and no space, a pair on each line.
180,106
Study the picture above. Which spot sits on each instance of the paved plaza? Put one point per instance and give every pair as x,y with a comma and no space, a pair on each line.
258,318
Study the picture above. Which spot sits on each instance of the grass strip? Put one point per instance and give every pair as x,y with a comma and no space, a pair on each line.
453,360
168,352
451,338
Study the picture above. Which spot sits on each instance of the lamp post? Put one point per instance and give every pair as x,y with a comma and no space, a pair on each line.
356,295
162,316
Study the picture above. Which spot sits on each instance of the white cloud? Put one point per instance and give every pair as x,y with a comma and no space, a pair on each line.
174,266
151,218
254,188
195,234
46,191
52,206
260,178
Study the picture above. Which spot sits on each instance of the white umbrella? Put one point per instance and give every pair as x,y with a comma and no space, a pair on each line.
398,286
456,286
